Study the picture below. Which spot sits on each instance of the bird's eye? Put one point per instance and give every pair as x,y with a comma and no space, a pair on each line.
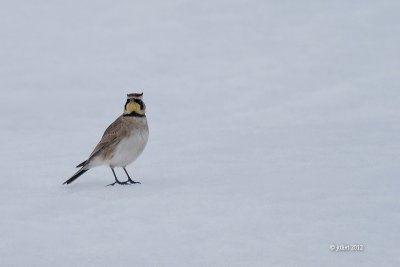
140,102
127,102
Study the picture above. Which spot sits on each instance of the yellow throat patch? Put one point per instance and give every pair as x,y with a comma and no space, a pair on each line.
132,107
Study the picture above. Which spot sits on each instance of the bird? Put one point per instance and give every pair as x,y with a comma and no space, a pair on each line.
122,142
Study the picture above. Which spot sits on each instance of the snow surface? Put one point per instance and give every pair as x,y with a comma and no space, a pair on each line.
274,132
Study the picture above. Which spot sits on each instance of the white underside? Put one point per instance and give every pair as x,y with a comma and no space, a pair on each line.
129,149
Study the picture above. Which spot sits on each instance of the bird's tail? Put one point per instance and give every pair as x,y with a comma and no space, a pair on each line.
76,175
82,164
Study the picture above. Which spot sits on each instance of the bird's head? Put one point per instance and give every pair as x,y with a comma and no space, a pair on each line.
134,105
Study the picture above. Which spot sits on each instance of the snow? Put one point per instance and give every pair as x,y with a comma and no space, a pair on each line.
274,132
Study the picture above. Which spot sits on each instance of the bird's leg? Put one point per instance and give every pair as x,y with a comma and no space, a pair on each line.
116,179
129,178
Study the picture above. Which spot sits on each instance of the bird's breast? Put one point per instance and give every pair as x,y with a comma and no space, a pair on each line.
129,148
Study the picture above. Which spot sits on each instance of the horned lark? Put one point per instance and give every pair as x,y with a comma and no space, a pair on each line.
122,142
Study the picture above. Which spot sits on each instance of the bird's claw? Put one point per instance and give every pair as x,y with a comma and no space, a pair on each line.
129,182
121,183
133,182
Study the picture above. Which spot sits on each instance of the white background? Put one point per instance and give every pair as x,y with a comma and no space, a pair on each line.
274,132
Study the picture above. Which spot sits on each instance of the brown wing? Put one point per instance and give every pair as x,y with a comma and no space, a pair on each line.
110,137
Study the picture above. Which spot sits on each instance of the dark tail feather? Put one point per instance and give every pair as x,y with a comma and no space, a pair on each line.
81,165
75,176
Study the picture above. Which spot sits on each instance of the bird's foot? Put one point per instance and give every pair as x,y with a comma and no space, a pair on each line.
118,182
132,181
